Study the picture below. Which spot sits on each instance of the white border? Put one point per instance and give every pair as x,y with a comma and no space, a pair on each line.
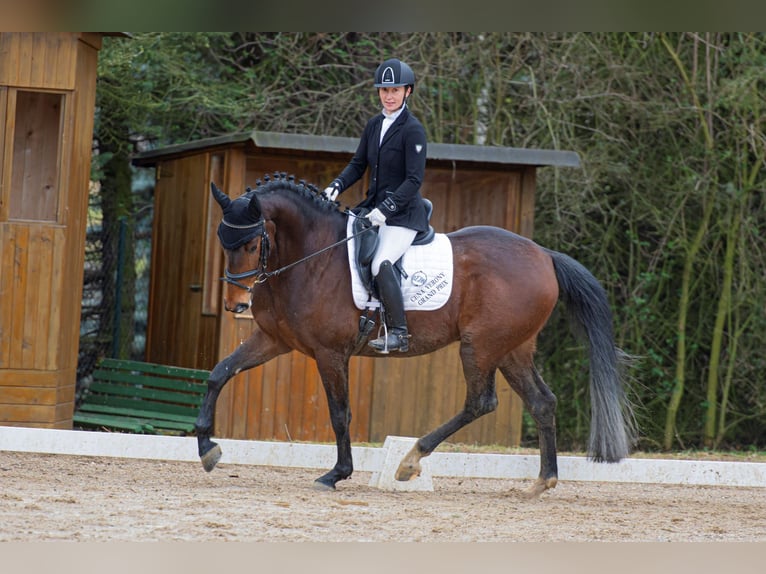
369,459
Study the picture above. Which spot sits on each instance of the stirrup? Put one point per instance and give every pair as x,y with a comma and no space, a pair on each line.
396,340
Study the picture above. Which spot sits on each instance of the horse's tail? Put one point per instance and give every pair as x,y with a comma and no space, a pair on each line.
612,429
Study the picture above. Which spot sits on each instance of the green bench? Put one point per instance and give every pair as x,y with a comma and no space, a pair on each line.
144,398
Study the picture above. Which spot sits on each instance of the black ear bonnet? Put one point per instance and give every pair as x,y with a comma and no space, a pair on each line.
242,220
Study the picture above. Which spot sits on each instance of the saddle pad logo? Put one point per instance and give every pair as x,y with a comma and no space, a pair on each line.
419,279
429,290
418,148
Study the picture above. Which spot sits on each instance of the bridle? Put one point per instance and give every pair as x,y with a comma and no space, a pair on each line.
260,273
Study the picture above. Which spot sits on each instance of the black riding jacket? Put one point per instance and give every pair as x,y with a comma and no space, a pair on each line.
397,167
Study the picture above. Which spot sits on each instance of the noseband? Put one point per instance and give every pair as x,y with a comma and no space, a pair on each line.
259,272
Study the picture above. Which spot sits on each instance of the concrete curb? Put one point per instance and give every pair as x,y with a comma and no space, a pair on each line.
368,459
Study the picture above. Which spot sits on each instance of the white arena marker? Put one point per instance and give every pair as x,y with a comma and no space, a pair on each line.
395,449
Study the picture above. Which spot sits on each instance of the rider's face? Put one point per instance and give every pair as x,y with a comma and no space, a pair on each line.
393,98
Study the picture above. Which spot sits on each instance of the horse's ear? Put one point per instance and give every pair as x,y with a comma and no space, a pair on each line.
222,199
254,207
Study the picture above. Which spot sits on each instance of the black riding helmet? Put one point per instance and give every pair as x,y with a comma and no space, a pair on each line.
393,73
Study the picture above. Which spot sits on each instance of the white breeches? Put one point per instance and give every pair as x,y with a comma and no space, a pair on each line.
393,241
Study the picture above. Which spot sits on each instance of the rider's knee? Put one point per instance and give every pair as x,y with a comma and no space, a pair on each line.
378,267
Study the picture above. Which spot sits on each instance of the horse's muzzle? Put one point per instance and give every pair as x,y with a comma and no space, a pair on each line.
237,309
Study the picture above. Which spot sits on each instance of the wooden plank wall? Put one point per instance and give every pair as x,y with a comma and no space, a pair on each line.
38,123
39,60
178,333
35,387
42,261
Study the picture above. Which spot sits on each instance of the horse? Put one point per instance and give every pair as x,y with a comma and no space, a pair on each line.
283,235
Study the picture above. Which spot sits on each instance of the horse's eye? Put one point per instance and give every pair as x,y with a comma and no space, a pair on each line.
251,247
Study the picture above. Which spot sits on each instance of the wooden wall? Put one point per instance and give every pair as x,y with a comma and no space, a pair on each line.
47,97
179,331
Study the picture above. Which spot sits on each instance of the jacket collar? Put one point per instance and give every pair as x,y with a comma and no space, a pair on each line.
398,122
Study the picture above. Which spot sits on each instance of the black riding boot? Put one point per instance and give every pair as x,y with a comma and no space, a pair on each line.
397,338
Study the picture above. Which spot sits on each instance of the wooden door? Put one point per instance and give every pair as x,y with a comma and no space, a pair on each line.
180,332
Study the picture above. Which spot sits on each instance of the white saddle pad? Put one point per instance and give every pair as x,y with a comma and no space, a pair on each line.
428,284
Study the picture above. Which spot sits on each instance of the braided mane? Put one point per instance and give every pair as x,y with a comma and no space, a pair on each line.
280,182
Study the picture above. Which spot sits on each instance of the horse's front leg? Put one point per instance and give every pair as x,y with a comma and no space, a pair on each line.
334,373
256,350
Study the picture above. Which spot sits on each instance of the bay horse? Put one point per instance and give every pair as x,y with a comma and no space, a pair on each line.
281,262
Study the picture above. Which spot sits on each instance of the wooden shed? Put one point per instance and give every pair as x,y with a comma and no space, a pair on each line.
47,102
283,399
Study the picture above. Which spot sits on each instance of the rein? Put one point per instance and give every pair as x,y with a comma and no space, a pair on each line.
260,273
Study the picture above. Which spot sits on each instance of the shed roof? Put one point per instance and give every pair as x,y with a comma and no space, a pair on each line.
334,144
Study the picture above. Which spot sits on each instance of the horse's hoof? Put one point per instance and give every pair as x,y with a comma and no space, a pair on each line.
540,486
211,458
551,483
407,471
323,486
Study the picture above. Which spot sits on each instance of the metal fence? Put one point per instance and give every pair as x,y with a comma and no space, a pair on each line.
115,284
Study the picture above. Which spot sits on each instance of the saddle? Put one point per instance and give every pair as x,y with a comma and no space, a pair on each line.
366,244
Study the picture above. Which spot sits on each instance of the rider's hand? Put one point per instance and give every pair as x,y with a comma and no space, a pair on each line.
332,191
376,217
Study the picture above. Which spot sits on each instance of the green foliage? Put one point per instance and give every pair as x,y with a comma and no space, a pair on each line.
669,127
657,160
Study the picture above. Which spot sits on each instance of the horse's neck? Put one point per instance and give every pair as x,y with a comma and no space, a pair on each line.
302,230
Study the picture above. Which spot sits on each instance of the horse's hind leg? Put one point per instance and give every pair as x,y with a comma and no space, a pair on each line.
480,400
541,404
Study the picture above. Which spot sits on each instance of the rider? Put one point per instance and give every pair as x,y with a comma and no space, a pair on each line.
393,146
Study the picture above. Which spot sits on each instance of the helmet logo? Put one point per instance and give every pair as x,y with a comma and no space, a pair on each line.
388,76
